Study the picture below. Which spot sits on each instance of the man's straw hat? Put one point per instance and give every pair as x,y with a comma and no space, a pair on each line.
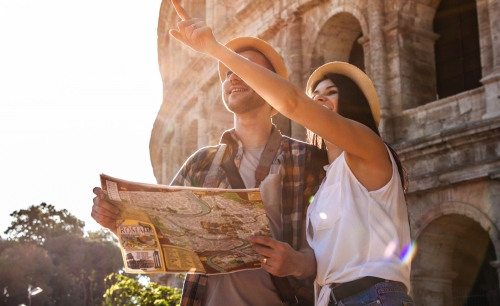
353,73
244,42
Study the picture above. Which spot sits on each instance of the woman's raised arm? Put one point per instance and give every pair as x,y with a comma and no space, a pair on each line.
288,99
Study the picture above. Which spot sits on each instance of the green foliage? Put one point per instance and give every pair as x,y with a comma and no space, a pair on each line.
47,249
5,244
123,290
22,265
39,222
102,235
81,265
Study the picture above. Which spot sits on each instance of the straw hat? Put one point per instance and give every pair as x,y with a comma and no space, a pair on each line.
353,73
244,42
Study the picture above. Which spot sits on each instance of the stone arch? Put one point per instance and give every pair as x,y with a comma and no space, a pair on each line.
335,16
190,138
234,6
197,9
166,46
167,156
218,118
440,276
459,208
170,51
448,236
335,39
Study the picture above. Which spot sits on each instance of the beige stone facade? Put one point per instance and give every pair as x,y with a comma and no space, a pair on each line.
450,146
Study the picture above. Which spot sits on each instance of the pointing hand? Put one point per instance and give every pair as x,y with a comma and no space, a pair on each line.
193,32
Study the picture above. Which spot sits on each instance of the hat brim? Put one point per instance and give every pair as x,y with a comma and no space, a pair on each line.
356,75
263,47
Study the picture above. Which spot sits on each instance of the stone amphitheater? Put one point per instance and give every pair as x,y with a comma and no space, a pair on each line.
436,67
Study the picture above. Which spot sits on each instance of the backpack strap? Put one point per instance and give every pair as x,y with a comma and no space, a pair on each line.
226,162
285,291
267,156
224,159
211,177
232,172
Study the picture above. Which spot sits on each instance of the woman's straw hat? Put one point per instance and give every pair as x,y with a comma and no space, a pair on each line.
353,73
244,42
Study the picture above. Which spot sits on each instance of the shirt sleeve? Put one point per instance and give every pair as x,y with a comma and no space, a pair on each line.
195,169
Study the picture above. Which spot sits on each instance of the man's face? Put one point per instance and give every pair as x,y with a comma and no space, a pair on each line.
238,97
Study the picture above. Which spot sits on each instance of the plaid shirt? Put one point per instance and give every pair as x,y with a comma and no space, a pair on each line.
301,171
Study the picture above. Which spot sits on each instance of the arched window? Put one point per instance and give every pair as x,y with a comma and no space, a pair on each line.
457,52
337,40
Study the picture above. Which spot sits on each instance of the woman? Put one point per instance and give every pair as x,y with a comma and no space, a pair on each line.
357,224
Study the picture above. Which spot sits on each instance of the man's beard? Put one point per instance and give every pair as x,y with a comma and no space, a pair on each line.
245,105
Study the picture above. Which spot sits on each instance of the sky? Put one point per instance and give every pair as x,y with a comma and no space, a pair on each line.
80,89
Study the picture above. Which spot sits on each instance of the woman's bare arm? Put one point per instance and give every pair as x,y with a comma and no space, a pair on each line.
360,143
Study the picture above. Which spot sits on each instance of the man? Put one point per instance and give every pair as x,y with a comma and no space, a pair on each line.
294,176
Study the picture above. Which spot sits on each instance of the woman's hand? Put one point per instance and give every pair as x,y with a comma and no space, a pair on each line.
280,259
193,32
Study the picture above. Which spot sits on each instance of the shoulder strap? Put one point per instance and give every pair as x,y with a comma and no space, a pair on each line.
211,177
232,173
267,156
285,291
282,284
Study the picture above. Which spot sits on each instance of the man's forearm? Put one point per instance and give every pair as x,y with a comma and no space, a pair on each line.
307,267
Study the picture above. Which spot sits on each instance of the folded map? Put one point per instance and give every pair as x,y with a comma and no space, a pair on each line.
186,229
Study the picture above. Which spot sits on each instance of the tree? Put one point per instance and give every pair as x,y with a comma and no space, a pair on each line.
22,265
81,265
123,290
5,244
102,235
77,265
39,222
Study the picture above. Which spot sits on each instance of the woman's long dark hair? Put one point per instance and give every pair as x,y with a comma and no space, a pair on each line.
352,104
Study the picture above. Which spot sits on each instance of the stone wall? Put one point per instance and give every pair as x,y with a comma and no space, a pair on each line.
450,146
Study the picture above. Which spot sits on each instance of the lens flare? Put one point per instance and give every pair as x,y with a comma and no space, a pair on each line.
389,250
408,253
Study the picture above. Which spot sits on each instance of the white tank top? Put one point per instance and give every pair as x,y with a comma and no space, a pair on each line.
355,232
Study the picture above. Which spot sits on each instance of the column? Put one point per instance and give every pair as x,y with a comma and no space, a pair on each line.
293,60
492,81
494,12
432,287
378,64
364,41
496,265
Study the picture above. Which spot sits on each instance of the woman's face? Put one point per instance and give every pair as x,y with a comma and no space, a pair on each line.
327,94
